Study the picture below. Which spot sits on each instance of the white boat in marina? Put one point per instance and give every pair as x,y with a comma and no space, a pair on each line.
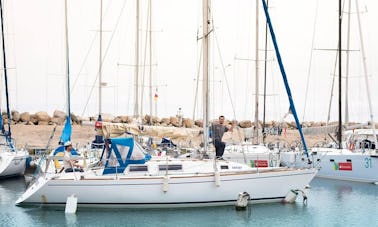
356,157
130,178
12,161
357,161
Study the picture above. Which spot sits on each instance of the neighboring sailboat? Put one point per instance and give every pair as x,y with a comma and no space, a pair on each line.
12,161
131,178
354,159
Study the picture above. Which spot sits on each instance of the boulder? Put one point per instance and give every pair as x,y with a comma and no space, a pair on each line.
16,116
59,114
33,119
187,123
174,121
25,117
42,116
57,120
155,120
198,123
165,121
245,124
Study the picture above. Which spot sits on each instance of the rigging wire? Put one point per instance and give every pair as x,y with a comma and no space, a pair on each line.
105,54
144,60
310,61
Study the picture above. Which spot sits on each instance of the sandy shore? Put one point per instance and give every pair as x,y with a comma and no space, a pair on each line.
37,136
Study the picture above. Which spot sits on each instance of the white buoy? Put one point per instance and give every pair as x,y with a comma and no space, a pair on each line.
242,201
217,178
290,197
71,204
165,183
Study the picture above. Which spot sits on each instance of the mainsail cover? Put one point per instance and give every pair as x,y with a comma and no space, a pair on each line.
67,131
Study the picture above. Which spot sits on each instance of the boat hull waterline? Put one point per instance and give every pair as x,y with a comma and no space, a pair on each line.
164,192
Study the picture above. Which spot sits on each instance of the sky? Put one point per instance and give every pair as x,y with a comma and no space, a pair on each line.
307,35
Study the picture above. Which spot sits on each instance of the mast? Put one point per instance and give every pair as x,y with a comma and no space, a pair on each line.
339,133
205,43
366,76
282,69
100,68
257,76
150,66
265,65
67,62
136,70
99,140
7,134
67,130
347,67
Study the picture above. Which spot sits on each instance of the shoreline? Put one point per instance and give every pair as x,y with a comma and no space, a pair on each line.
37,136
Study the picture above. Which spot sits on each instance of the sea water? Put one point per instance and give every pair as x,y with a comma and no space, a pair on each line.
330,203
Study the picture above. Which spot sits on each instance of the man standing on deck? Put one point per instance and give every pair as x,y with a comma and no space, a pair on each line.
217,133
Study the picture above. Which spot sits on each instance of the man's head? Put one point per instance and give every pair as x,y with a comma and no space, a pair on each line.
221,119
67,145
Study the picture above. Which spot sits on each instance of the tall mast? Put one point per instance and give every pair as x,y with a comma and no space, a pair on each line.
340,71
136,70
100,67
366,75
265,63
347,67
9,134
256,133
205,43
150,66
67,61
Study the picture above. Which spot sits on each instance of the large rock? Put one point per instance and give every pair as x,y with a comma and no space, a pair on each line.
165,121
33,119
245,124
187,123
16,116
43,116
174,121
155,120
25,117
57,120
76,119
199,123
59,114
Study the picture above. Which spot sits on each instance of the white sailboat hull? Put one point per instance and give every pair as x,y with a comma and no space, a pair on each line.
340,164
12,164
174,191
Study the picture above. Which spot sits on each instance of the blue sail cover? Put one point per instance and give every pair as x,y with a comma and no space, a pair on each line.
67,131
121,153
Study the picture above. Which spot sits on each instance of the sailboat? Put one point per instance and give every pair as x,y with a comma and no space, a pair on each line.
355,158
12,161
132,178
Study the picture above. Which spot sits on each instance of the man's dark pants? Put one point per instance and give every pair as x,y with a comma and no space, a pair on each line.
219,148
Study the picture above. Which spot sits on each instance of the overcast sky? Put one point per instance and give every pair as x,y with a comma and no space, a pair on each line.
36,51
